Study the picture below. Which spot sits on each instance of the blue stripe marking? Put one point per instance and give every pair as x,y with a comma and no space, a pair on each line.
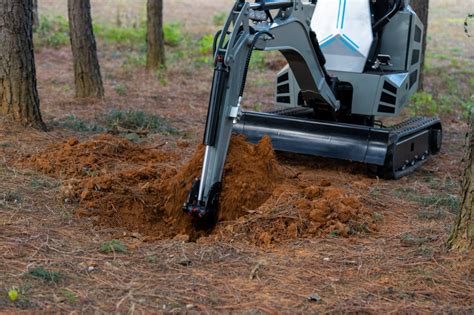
328,42
343,14
350,40
338,14
325,38
345,42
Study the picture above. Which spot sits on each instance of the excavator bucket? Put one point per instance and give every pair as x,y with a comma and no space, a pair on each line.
396,151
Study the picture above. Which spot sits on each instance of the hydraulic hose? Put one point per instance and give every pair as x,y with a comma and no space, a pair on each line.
249,56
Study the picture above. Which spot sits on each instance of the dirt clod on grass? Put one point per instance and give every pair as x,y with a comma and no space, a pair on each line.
122,184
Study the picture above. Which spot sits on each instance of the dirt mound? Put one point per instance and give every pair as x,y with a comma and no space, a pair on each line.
251,173
146,192
100,155
149,194
300,209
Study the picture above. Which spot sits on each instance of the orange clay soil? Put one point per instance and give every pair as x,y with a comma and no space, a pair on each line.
128,185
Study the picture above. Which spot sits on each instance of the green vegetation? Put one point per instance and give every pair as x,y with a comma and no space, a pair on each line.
120,89
52,32
449,89
408,239
449,201
44,183
137,120
70,296
204,44
219,19
11,197
151,259
432,215
114,246
121,35
173,33
74,123
46,275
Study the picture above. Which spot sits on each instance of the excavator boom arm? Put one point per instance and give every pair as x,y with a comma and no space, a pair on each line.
251,26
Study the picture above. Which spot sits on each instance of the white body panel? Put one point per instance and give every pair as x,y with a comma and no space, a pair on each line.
344,32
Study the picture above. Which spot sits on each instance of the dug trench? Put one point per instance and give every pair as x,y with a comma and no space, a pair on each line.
119,183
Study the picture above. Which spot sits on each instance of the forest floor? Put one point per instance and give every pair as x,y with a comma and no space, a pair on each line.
89,211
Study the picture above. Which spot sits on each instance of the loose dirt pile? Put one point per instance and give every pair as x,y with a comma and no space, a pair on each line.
302,209
128,185
91,158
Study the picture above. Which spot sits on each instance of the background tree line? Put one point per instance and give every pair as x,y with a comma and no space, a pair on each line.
18,91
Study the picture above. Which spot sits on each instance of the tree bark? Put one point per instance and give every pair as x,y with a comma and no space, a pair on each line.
87,77
462,235
19,99
421,7
35,14
155,57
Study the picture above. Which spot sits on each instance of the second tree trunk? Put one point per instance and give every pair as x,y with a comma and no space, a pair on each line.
87,75
155,40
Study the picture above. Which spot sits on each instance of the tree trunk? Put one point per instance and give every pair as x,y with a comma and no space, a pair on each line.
462,235
19,99
87,75
155,57
35,14
421,7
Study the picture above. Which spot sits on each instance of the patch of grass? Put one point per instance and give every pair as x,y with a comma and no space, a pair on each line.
70,296
173,33
114,246
137,120
120,89
425,251
408,239
204,44
452,202
361,228
136,35
423,102
121,35
90,172
151,259
449,201
257,107
52,32
74,123
258,60
46,275
135,59
12,197
377,216
43,183
219,19
431,215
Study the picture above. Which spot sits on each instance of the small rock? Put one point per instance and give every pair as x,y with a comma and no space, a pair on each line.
314,298
326,259
190,306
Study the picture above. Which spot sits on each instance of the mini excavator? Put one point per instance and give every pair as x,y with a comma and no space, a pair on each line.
349,61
